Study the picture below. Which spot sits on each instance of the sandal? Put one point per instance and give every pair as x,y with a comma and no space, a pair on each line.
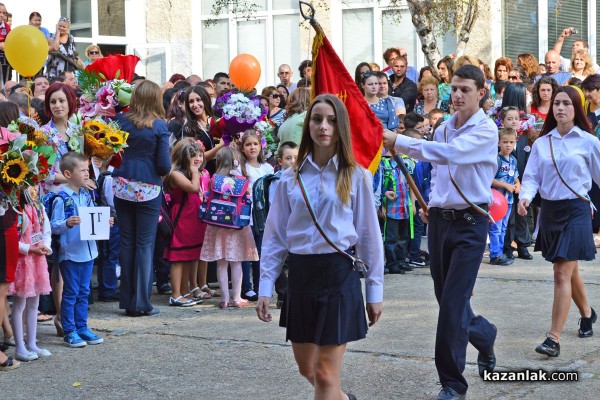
44,317
211,292
178,302
202,296
9,364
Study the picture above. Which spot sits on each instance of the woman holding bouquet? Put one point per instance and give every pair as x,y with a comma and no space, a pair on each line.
137,194
198,112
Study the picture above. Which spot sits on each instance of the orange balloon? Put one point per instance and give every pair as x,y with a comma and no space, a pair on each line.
244,72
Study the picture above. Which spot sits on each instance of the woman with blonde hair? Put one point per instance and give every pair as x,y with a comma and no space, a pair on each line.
428,97
138,186
92,52
582,65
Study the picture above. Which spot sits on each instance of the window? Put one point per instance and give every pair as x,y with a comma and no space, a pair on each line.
399,35
357,34
520,28
564,14
272,36
215,48
80,13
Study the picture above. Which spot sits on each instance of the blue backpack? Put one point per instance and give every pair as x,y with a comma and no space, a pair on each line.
69,204
260,200
227,204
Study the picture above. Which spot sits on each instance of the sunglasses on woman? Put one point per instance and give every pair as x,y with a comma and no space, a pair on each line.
514,77
93,52
275,96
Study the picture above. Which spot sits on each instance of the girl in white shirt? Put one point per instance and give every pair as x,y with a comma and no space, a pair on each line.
323,309
251,148
563,162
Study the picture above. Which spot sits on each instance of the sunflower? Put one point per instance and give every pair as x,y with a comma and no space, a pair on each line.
14,171
38,137
114,138
95,148
96,126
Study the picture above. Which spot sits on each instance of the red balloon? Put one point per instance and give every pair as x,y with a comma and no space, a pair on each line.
244,72
499,205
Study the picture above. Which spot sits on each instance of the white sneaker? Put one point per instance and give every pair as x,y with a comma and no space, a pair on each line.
29,356
42,353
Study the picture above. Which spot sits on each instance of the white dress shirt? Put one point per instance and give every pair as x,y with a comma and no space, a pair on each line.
577,155
472,154
290,228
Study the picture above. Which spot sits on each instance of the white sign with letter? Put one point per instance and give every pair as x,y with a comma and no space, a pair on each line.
95,223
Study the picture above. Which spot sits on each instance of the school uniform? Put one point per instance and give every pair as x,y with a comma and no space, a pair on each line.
457,234
565,219
324,303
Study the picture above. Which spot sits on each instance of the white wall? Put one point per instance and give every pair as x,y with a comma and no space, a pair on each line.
49,9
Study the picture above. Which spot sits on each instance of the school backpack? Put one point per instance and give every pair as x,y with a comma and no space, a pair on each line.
69,206
166,226
227,204
260,200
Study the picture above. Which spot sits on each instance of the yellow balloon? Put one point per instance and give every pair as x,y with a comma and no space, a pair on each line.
26,50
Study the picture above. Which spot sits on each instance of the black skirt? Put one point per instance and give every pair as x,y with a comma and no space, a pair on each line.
566,231
324,303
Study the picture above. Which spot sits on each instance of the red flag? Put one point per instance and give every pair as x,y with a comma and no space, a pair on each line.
330,76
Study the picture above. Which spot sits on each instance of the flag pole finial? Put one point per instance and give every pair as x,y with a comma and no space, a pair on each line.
310,17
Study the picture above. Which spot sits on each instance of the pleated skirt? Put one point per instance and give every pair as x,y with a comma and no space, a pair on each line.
565,231
324,302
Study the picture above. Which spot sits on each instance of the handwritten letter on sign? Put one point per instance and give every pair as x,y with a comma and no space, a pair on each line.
94,223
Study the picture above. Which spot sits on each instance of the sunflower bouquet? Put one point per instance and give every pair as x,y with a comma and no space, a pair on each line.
30,128
103,139
23,164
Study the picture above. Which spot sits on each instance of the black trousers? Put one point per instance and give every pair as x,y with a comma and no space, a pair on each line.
517,229
456,250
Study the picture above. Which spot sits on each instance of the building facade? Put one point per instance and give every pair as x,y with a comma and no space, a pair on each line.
171,36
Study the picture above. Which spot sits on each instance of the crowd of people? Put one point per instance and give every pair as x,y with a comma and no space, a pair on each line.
462,128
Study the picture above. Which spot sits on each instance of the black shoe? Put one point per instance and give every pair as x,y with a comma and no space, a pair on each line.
111,298
502,260
585,325
447,393
418,263
250,295
395,269
351,396
549,348
509,254
406,266
487,361
165,288
524,254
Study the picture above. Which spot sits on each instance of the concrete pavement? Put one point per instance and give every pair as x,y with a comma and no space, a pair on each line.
207,353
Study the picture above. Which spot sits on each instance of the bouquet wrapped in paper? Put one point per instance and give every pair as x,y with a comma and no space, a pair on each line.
239,112
23,163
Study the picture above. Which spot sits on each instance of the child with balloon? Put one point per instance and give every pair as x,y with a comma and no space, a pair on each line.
506,182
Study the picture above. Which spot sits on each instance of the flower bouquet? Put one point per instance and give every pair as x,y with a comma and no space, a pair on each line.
103,98
103,139
239,113
30,128
265,128
23,164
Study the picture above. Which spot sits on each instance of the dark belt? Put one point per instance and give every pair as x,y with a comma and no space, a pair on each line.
450,214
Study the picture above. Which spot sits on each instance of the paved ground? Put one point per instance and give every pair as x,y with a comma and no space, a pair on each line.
208,353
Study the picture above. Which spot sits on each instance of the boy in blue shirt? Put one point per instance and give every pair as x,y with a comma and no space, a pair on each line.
396,201
75,257
506,182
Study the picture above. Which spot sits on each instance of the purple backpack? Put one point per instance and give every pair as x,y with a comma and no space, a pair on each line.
227,204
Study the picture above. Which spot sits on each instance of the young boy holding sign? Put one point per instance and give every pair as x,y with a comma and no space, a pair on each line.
75,256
